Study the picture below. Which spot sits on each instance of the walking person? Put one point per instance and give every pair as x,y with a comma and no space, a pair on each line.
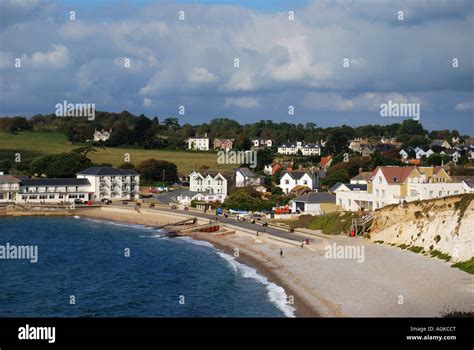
281,253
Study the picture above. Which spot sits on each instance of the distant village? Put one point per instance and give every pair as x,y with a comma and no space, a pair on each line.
296,175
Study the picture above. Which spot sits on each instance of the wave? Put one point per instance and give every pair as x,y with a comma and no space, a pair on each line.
121,224
276,294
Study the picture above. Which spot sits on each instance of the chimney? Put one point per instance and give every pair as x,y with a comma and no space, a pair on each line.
205,134
360,171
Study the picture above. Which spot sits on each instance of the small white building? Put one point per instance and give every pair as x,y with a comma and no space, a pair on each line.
246,177
186,197
314,203
262,143
291,179
198,143
112,183
102,135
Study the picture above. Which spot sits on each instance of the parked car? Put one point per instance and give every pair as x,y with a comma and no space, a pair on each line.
105,201
125,202
79,201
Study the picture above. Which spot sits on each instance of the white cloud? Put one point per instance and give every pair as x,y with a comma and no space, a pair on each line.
147,102
57,57
464,106
242,102
202,75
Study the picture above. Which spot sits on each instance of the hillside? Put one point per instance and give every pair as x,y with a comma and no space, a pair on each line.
440,227
33,144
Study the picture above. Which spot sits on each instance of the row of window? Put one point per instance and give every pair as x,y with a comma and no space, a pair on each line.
51,196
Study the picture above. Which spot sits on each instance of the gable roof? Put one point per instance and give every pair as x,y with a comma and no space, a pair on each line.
8,179
247,172
325,160
396,174
363,176
316,197
296,174
107,171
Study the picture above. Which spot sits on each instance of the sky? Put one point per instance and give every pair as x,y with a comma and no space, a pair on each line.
329,62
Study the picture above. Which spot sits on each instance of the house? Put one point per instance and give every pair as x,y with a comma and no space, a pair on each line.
367,151
358,144
9,187
299,147
211,182
271,169
314,203
226,144
394,185
102,135
325,162
467,182
198,143
290,179
455,140
362,178
187,196
112,183
440,143
339,187
246,177
404,154
262,143
54,190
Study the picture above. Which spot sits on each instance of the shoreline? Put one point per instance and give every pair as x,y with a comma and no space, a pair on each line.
301,308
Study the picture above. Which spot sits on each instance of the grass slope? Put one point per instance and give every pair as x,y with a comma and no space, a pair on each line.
33,144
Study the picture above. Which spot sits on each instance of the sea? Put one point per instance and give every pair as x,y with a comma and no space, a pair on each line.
97,268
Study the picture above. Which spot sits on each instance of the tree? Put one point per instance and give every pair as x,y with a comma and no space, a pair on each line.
334,177
129,166
60,165
157,170
264,157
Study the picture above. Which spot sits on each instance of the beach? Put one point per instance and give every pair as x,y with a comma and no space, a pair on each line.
388,282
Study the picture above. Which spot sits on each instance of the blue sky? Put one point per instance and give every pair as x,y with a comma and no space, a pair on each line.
282,62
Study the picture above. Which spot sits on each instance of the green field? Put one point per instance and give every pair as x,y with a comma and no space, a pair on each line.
33,144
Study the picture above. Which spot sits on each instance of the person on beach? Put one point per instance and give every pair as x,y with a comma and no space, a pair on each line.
281,253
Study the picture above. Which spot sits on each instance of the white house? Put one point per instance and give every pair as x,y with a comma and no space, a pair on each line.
314,203
198,143
306,149
440,143
394,185
290,179
102,135
404,154
112,183
262,143
246,177
9,187
54,190
186,197
211,182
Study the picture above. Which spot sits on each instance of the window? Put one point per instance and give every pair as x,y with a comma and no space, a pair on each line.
51,196
380,179
287,182
431,194
383,193
376,193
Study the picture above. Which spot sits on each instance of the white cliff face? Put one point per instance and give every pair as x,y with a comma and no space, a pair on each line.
445,225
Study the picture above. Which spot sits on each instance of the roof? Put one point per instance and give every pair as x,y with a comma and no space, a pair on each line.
213,173
316,197
363,176
356,187
438,142
335,186
8,179
55,182
325,160
469,180
396,174
247,172
107,171
296,174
